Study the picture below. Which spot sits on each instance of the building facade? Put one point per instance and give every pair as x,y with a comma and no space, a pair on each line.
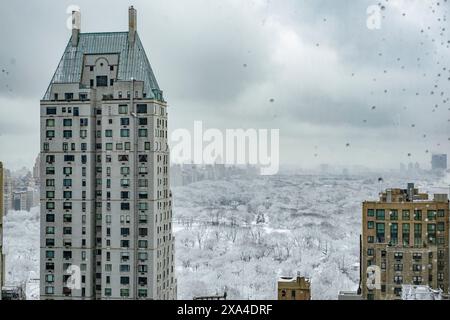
2,257
106,204
405,239
294,288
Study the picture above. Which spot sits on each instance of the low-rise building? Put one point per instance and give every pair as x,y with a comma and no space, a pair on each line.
294,288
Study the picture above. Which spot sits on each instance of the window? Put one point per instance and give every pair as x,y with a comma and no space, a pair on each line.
67,170
124,292
50,134
398,267
394,233
50,122
370,239
50,159
141,108
398,279
124,267
380,214
124,133
124,280
124,206
393,214
102,81
67,122
431,215
398,255
49,254
142,293
142,133
125,170
417,256
431,229
441,213
83,122
49,290
417,234
50,218
123,158
124,121
418,215
67,182
108,133
67,134
441,226
147,146
50,205
51,110
405,233
109,146
405,214
371,213
50,170
380,232
125,183
123,109
68,96
108,292
142,244
143,158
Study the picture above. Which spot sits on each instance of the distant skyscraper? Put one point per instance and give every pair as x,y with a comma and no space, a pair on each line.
405,240
439,162
106,204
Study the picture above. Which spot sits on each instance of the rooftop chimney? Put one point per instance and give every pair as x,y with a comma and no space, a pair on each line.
132,25
76,26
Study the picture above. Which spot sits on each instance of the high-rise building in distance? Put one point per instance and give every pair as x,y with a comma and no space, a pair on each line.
405,241
439,162
106,204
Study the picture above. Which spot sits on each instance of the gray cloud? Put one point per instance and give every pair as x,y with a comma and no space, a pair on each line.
222,62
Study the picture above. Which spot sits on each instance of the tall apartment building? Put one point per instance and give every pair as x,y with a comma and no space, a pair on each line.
405,241
2,257
439,161
106,204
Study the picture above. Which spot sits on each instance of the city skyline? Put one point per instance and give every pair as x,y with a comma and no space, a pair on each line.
339,92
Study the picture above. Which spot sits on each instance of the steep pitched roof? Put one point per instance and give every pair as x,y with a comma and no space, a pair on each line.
133,62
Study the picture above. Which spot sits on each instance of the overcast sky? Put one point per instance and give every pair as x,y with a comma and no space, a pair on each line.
339,92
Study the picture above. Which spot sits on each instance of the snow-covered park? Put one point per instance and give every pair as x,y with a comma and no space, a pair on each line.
241,234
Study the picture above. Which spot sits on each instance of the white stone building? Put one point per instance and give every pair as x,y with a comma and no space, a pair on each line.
106,204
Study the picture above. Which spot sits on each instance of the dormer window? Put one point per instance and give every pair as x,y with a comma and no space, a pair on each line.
68,96
111,68
102,81
91,68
